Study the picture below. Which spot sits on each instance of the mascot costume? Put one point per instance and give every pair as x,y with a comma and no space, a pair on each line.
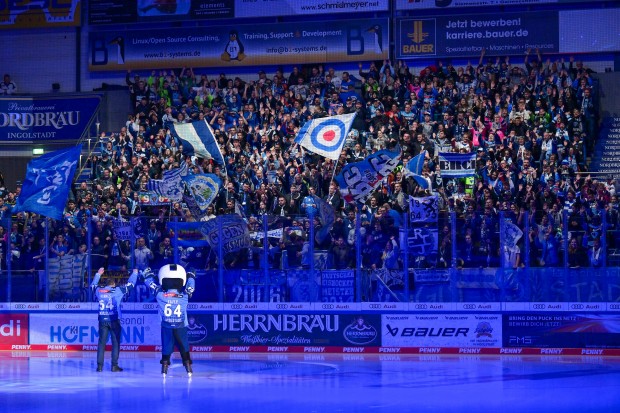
175,288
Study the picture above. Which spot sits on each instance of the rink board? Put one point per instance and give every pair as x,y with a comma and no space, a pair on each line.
347,328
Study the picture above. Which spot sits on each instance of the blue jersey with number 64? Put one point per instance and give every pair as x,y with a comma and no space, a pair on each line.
110,298
172,308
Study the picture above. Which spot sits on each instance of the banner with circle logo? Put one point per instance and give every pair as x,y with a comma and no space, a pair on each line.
326,136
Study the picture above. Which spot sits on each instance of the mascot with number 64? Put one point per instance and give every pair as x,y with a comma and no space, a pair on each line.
175,288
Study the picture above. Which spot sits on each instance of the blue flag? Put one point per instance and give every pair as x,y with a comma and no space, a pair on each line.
327,217
414,169
198,139
203,188
416,164
170,187
48,181
359,180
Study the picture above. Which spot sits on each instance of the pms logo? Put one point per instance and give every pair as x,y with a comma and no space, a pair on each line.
14,329
359,332
418,37
484,329
196,332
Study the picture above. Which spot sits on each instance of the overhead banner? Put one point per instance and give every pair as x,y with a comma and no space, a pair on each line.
252,8
46,118
467,35
145,11
453,4
37,14
251,45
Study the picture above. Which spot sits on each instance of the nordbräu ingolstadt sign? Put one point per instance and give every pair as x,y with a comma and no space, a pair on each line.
46,118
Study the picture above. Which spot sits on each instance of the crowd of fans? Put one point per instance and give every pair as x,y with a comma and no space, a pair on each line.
532,125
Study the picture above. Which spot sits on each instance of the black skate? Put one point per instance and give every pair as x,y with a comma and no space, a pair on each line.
164,367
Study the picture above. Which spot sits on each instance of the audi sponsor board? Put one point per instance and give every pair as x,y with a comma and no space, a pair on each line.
557,330
441,307
284,330
14,329
441,330
29,306
151,306
68,306
337,307
205,307
389,306
83,329
245,306
291,307
477,306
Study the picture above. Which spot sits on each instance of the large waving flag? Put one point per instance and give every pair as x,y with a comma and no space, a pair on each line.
414,169
198,139
170,187
359,180
48,181
326,136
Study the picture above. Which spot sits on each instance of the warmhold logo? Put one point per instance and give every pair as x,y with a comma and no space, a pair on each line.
14,328
484,329
360,332
196,332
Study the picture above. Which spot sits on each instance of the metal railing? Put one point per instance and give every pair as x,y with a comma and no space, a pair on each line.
466,258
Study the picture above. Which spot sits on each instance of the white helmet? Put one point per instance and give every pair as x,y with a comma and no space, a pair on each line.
172,272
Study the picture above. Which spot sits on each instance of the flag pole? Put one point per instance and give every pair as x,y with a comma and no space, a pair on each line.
334,171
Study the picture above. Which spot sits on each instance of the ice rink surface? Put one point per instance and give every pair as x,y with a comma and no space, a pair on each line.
49,382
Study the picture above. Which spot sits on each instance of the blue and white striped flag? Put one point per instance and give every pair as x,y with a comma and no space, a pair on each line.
326,136
457,165
198,139
48,181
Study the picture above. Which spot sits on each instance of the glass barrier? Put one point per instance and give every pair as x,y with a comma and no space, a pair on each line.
459,256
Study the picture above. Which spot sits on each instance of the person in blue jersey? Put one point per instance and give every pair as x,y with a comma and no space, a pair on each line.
175,288
109,297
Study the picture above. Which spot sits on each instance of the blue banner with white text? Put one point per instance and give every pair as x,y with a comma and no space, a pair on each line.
250,45
467,35
46,118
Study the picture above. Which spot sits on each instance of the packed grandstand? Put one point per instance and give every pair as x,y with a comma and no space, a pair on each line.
531,126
